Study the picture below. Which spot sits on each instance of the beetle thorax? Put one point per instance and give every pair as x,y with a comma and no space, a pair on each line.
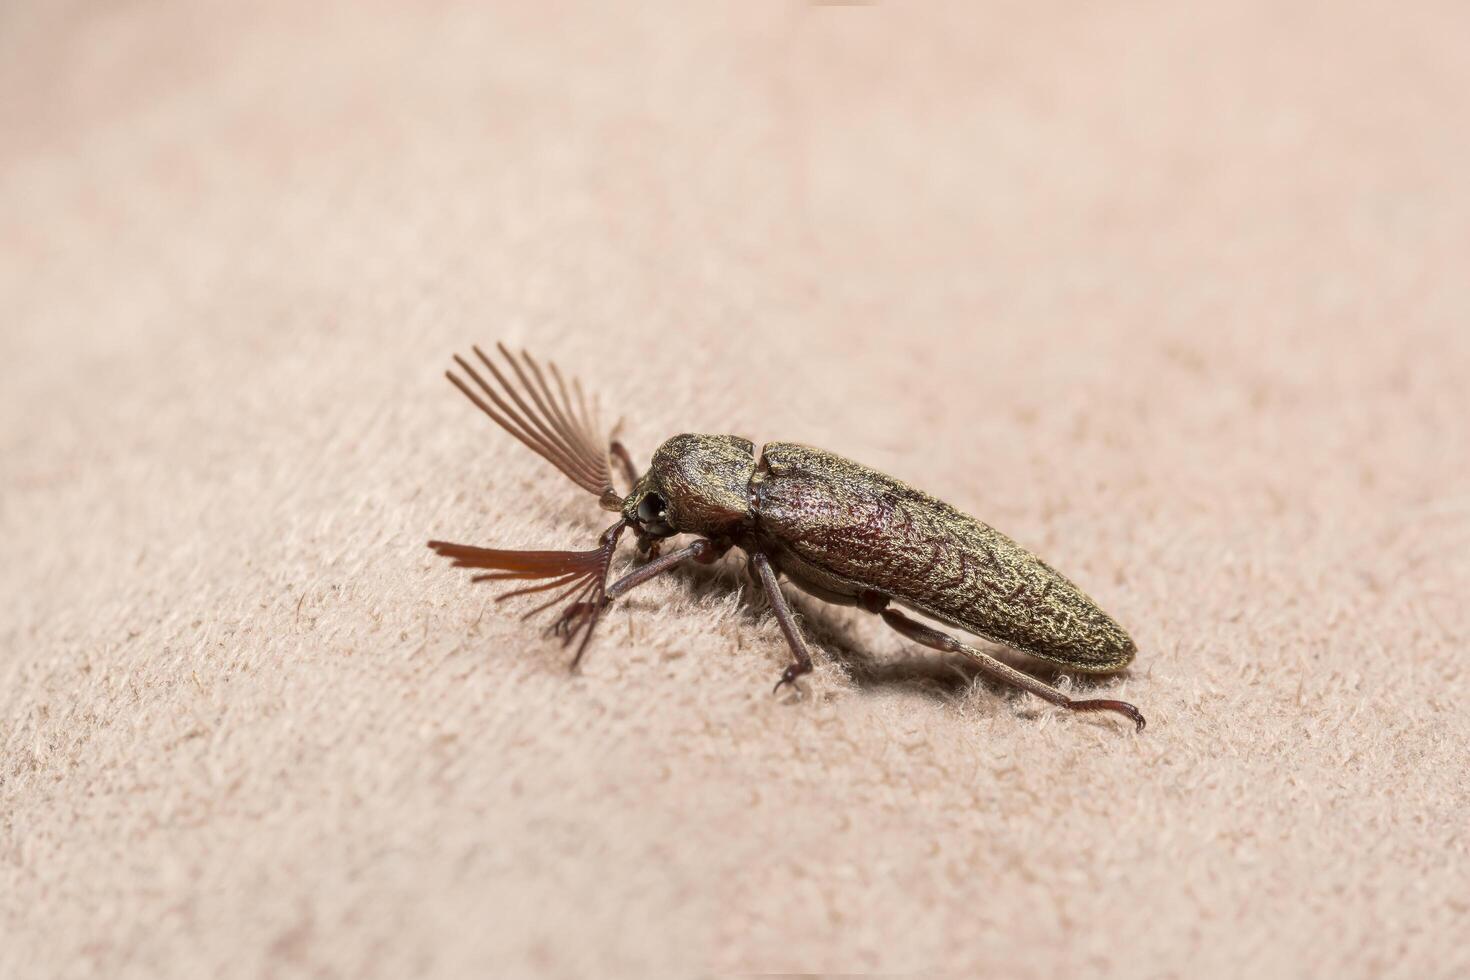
702,481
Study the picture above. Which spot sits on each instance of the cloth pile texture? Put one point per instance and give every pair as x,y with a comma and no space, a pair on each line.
1174,295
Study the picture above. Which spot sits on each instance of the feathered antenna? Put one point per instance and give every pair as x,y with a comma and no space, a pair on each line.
581,576
559,427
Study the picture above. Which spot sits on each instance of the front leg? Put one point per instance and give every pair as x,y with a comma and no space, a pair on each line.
702,551
619,452
784,617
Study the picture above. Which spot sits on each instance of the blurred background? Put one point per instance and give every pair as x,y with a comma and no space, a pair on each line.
1173,294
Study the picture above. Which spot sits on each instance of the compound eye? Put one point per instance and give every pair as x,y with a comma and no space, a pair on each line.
652,509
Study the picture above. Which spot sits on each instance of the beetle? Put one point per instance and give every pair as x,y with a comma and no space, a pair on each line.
836,529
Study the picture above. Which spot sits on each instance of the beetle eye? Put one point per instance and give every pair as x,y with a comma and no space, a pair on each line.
651,508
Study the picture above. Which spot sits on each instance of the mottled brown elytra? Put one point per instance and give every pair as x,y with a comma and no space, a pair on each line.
838,530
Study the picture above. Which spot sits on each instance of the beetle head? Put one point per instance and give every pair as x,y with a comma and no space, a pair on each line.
696,484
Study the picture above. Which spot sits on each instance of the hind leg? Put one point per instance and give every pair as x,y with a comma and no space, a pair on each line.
930,637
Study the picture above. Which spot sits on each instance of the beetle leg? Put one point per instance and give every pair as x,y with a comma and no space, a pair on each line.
619,452
702,551
794,639
930,637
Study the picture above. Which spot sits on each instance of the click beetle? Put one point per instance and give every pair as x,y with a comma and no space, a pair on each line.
836,529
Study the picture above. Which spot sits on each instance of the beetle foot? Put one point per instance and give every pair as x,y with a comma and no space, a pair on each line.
790,674
1104,704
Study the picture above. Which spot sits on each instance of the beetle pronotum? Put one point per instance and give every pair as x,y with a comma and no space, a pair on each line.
838,530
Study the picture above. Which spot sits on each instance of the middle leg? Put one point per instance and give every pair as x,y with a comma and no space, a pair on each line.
784,616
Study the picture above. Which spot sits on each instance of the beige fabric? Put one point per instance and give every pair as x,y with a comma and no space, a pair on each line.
1175,294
